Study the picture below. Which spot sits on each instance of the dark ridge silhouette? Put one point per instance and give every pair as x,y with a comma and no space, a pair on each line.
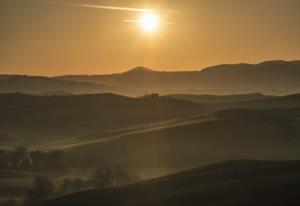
219,99
272,77
56,93
40,85
292,97
139,69
289,101
243,182
296,62
255,101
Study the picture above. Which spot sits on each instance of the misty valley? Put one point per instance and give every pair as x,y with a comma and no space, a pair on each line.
149,103
161,141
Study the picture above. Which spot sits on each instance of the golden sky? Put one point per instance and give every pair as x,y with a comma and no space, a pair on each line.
42,38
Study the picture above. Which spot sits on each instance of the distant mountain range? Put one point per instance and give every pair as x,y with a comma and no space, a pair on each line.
271,77
46,85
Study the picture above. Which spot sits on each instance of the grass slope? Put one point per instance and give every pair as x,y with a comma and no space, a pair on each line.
219,99
224,135
43,117
232,183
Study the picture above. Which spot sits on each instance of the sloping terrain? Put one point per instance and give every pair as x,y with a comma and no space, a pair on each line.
233,183
271,77
220,99
41,85
43,117
254,101
289,101
272,134
150,136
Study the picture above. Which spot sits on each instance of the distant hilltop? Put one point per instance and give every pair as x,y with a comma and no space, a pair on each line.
276,77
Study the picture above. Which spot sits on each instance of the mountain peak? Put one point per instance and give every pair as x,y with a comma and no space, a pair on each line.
139,69
273,62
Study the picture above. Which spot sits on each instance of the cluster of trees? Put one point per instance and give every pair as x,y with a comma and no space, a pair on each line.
110,176
151,96
23,159
52,164
44,188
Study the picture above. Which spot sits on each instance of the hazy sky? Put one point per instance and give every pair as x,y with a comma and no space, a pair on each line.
52,39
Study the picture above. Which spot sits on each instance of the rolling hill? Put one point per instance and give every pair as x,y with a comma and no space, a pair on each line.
220,99
43,117
233,183
289,101
41,85
255,101
153,132
271,77
263,134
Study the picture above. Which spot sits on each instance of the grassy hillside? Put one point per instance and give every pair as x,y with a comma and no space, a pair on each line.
70,136
255,101
43,117
219,99
232,183
188,142
289,101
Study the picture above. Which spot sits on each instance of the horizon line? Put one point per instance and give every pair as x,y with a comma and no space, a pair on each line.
154,70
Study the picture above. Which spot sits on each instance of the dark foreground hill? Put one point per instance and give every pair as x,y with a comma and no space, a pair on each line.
233,183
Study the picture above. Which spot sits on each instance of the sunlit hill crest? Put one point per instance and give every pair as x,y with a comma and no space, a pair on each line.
139,70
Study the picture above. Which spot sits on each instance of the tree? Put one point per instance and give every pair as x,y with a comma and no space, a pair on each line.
69,186
103,177
4,159
110,176
22,158
42,189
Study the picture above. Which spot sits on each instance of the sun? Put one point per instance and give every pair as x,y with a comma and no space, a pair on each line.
149,21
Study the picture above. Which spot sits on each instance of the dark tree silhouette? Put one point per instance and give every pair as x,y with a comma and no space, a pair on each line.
69,186
4,159
42,189
110,176
103,177
22,158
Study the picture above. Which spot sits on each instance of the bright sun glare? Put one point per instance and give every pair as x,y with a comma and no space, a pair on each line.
150,21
